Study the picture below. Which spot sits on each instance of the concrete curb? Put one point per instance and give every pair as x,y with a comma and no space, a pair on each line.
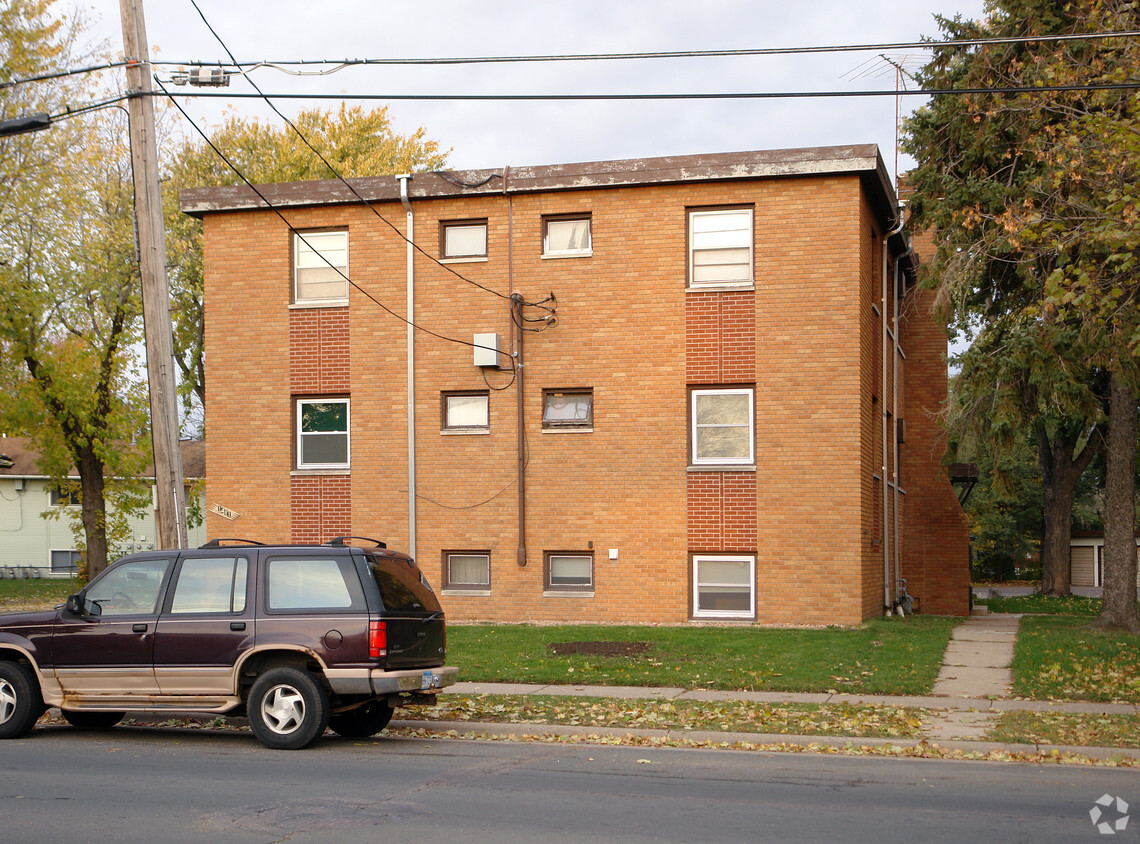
671,693
509,731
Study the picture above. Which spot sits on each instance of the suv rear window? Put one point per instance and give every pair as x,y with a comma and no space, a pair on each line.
310,583
402,585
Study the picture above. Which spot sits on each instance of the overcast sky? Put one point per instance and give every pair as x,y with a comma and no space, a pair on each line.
493,134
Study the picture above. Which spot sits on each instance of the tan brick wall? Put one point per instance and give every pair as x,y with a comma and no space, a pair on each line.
628,329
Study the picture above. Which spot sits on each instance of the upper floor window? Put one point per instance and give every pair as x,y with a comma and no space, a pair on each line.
320,267
720,247
322,434
564,237
722,431
466,412
567,409
464,239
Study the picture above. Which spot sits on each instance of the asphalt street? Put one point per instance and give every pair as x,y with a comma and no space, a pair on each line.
162,784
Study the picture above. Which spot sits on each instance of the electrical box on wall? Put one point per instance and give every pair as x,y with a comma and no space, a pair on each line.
487,350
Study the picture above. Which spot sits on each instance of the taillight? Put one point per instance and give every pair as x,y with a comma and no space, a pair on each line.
377,639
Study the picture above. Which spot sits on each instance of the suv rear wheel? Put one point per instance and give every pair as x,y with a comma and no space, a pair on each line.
362,722
288,709
21,704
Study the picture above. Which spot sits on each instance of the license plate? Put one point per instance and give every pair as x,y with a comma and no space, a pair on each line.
431,680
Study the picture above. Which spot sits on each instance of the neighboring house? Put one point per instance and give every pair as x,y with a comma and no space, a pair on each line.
1086,557
33,546
710,425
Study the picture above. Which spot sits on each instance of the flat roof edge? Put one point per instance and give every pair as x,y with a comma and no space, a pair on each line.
761,164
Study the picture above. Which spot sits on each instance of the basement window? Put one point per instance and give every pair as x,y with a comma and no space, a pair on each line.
723,587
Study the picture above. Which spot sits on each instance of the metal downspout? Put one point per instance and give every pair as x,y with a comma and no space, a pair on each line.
411,317
888,599
897,493
517,354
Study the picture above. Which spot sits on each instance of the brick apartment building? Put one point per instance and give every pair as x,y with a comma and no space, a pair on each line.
707,403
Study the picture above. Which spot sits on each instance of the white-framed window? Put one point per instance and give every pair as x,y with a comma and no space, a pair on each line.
565,237
569,571
320,267
322,433
724,586
65,562
463,240
466,412
567,409
64,497
467,570
722,426
720,247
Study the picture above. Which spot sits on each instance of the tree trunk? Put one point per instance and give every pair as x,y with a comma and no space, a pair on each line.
94,508
1059,476
1119,611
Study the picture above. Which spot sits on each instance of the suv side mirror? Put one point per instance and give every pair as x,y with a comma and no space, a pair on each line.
78,605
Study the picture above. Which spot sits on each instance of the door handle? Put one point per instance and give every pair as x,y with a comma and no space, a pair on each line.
139,628
237,626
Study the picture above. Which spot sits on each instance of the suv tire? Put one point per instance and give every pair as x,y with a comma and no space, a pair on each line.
91,720
288,709
363,721
21,703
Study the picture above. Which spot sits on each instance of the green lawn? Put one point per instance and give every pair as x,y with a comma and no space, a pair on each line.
41,592
1040,604
1062,658
883,656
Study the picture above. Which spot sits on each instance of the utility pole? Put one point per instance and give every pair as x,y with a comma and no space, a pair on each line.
170,511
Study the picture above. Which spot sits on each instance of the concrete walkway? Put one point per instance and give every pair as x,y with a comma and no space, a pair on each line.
975,667
972,690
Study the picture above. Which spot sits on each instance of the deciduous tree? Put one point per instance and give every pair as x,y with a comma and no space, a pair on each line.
68,281
1032,194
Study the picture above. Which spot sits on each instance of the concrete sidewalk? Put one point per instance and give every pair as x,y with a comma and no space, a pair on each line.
972,690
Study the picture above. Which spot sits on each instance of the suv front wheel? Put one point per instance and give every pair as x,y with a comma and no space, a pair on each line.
20,702
288,709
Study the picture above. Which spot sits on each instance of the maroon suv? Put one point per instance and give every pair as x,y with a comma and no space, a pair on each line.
298,637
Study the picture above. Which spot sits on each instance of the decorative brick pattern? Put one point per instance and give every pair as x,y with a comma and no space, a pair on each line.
722,511
720,338
321,508
319,351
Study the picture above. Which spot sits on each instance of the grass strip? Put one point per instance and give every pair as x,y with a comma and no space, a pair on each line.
1060,658
858,721
883,656
1113,730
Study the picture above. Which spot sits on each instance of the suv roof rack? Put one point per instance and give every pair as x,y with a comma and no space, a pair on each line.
217,543
339,541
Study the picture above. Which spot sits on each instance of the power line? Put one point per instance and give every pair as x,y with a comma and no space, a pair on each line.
677,54
60,74
706,95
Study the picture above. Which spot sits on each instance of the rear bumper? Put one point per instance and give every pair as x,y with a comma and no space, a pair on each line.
369,681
